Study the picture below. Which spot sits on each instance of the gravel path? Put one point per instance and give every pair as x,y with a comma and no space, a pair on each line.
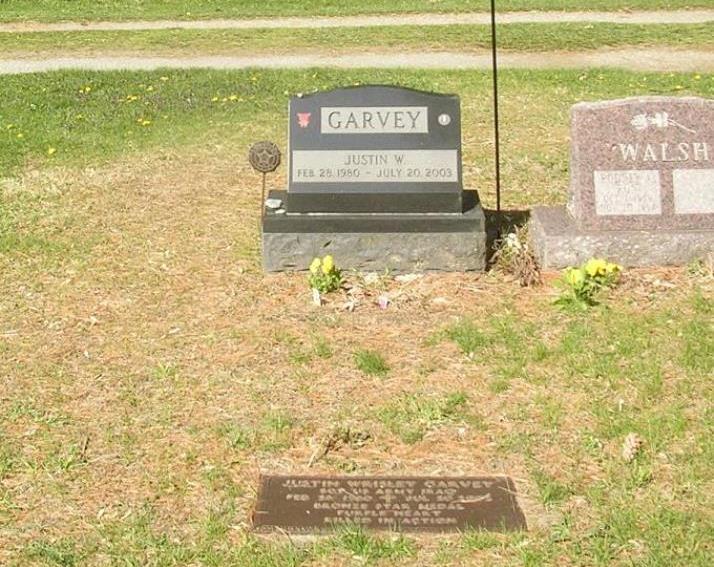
662,17
665,60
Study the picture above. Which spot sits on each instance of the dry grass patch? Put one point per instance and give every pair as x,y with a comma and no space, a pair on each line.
151,371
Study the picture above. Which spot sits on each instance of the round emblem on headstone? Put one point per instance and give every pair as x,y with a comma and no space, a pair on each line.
264,156
444,119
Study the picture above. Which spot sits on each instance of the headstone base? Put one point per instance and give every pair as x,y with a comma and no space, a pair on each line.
453,242
558,243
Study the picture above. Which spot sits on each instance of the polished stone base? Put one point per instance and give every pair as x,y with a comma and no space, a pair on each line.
558,242
454,242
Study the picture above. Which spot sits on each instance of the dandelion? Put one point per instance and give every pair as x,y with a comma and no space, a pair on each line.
324,275
51,151
328,264
233,97
21,135
214,99
150,88
596,267
574,277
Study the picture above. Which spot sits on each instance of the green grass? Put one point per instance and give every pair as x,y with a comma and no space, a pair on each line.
516,37
411,416
55,10
55,111
371,363
367,548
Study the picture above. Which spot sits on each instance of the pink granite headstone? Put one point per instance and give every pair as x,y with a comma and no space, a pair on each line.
643,164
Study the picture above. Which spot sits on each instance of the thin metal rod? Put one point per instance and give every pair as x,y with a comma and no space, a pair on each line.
494,49
262,199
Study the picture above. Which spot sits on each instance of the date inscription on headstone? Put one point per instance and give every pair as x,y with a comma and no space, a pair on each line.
427,504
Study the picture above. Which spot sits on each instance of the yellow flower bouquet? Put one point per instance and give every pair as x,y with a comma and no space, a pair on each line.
584,283
324,275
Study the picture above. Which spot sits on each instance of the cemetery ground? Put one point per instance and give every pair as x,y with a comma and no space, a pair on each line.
150,370
88,10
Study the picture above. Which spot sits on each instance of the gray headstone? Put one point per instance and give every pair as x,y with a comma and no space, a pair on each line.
643,163
374,149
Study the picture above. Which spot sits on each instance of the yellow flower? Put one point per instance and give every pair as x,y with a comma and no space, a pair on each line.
328,264
574,276
164,78
214,99
595,266
51,151
613,268
315,266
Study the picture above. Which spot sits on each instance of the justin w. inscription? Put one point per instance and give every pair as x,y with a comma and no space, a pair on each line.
429,504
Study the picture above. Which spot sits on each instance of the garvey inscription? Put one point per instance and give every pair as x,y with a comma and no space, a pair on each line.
643,163
375,149
405,503
373,119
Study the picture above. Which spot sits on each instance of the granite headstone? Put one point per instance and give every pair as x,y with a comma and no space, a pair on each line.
642,185
644,163
374,148
375,179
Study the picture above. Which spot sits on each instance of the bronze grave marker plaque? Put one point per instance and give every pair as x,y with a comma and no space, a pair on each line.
426,504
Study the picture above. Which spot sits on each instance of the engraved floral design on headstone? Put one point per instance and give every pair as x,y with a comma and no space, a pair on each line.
657,120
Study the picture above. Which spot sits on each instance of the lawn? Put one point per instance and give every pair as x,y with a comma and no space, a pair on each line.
150,370
515,37
86,10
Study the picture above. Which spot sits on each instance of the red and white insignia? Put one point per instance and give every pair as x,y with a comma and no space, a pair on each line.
304,119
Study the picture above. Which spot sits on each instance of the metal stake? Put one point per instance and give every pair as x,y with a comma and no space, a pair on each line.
494,50
262,198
